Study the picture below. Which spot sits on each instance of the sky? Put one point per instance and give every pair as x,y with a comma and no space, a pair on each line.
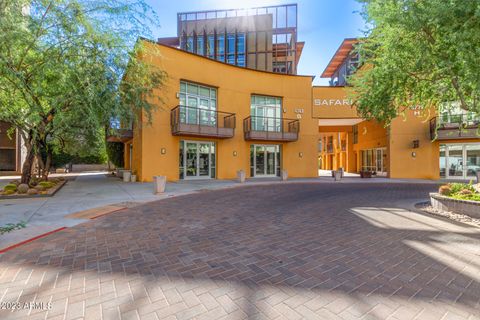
322,24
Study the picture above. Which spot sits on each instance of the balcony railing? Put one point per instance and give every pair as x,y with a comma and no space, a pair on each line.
271,129
193,121
330,148
458,126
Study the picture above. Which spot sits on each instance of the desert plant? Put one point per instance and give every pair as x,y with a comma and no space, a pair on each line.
15,182
39,188
22,188
445,190
457,187
9,227
10,187
46,184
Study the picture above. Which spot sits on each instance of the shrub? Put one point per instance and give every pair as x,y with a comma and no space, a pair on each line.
8,192
22,188
12,226
32,191
10,187
46,184
472,197
115,153
457,187
445,190
15,182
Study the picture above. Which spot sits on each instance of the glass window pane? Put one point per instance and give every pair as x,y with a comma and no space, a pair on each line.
204,92
241,60
182,99
443,161
231,43
473,159
241,43
211,46
455,161
183,87
190,44
231,59
192,88
200,46
220,44
213,93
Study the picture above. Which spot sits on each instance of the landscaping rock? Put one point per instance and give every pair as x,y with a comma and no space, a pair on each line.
39,187
445,190
22,188
32,191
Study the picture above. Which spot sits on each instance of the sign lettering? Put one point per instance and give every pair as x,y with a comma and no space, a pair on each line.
332,102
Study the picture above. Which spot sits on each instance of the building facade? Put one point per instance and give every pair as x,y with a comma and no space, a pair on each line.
417,145
229,104
11,157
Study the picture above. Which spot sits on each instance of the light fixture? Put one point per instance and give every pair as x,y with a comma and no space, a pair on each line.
163,151
300,154
234,153
414,154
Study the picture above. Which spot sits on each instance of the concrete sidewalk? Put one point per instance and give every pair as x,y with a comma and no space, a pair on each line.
97,189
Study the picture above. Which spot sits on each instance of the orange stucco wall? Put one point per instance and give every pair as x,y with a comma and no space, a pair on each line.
235,87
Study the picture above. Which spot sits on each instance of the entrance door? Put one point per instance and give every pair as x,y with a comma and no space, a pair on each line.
197,160
379,161
266,160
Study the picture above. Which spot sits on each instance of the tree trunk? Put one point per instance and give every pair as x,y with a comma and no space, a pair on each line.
27,165
48,164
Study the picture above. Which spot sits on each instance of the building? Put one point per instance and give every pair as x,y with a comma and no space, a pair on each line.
11,157
417,145
233,102
263,38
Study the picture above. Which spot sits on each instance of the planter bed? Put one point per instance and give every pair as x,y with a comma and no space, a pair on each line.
47,193
467,207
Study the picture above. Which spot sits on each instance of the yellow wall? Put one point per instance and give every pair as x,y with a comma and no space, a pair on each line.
404,130
235,87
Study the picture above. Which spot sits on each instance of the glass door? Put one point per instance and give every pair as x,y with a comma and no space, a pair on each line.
380,155
197,160
459,161
266,160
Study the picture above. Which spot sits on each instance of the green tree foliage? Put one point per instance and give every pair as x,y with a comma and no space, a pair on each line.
115,151
421,53
61,66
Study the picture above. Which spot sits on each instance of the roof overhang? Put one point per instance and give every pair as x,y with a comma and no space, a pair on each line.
339,57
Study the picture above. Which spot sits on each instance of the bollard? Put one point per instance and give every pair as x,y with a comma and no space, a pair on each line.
159,183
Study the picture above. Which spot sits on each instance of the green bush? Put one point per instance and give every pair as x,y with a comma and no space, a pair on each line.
10,187
457,187
8,192
9,227
472,197
115,153
46,184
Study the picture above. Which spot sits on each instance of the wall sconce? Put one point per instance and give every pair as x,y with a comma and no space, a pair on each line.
163,151
300,154
414,154
416,144
234,153
178,95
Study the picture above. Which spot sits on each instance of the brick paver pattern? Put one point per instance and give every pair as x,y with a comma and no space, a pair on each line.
291,251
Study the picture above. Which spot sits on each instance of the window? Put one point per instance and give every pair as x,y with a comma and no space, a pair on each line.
355,134
221,48
266,113
200,46
241,49
199,104
231,49
190,44
211,47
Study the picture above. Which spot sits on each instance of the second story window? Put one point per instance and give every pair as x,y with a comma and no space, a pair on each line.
198,102
266,113
355,134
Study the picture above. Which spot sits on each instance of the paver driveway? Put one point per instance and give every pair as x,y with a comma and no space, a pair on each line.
296,251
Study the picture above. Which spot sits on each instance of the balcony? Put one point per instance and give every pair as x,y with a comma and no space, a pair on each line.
271,129
458,126
197,122
330,148
119,135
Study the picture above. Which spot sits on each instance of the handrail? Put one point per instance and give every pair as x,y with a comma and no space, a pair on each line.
458,122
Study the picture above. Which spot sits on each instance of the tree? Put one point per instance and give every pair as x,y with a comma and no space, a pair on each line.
62,63
421,53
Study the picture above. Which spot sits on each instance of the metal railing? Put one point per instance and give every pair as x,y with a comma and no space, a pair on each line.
187,120
270,128
455,126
